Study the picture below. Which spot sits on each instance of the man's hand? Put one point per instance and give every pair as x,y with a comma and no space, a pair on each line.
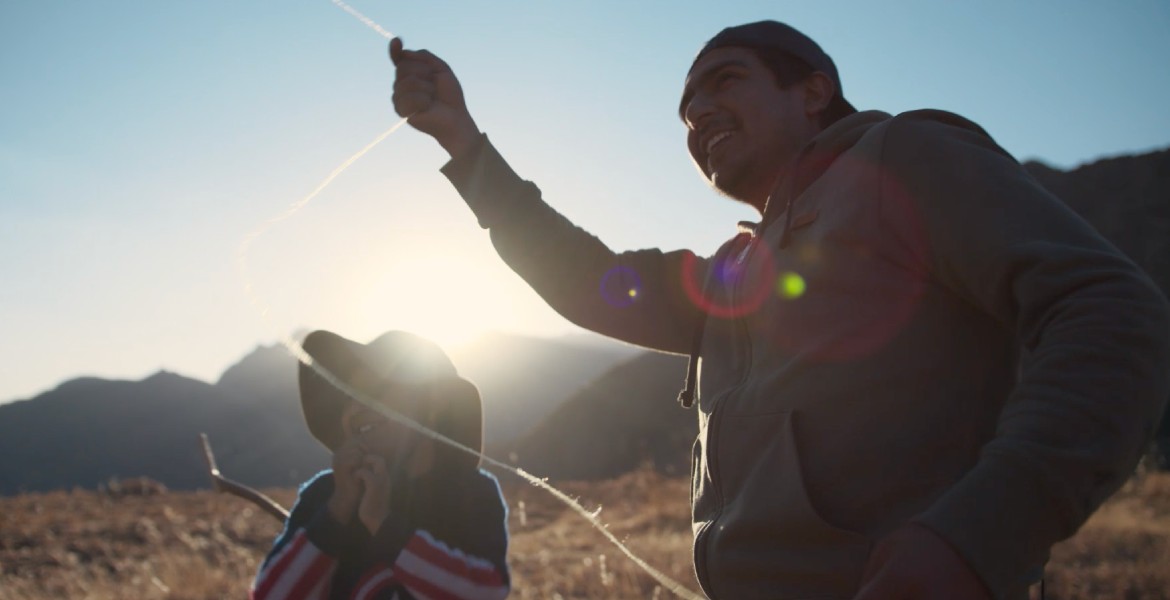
426,91
347,487
375,502
914,563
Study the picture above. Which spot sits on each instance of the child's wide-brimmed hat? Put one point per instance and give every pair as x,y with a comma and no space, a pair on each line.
400,370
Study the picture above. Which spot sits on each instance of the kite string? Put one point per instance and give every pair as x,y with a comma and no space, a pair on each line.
364,19
297,351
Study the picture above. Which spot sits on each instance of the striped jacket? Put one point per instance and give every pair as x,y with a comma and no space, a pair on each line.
449,544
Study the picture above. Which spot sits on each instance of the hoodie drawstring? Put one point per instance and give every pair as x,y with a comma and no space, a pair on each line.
786,234
687,396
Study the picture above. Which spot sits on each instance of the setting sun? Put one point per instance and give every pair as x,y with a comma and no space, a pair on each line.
450,299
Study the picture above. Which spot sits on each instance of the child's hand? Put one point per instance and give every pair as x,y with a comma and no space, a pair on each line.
375,501
347,486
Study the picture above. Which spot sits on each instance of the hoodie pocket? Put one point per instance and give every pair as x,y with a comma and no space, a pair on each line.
769,535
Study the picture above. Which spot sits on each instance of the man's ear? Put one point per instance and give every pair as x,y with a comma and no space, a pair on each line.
818,93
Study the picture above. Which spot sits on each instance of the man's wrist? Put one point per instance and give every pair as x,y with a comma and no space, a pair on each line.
462,141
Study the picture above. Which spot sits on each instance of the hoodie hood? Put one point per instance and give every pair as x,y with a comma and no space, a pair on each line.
815,159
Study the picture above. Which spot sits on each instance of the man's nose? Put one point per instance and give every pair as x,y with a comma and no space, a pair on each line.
698,110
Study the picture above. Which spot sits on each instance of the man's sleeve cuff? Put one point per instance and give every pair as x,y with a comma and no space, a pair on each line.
1002,519
488,184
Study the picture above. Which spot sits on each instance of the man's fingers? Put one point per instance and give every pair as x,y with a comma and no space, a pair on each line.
434,62
411,104
395,50
414,83
402,57
408,67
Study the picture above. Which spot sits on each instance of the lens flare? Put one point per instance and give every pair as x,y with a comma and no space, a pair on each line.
734,288
846,297
790,286
620,286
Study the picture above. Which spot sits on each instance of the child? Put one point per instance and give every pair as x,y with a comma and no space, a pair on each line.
400,516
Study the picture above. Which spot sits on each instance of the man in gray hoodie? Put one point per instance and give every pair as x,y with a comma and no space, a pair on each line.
919,369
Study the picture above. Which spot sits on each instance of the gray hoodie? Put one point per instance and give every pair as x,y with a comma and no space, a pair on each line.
915,332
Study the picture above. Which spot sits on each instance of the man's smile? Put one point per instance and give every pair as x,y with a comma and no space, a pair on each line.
715,139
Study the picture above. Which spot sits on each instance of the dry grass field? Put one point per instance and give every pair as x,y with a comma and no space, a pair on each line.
83,544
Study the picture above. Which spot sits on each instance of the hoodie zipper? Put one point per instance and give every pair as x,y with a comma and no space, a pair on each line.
703,538
742,259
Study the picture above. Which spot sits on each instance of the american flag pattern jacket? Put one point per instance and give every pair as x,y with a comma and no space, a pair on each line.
450,542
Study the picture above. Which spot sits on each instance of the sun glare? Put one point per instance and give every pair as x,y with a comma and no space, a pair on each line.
448,299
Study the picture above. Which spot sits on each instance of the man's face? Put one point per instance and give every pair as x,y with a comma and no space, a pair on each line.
742,128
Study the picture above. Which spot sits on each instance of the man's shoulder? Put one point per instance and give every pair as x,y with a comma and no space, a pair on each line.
918,138
932,123
911,139
934,115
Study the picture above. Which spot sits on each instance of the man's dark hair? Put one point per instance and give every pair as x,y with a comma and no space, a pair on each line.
789,70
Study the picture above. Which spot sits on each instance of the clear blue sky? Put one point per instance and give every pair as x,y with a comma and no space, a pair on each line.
140,141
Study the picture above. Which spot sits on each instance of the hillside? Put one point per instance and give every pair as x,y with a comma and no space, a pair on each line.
199,545
627,417
523,379
1127,199
87,431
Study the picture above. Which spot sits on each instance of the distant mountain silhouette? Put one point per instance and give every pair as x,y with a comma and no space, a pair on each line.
627,417
89,430
1127,199
523,379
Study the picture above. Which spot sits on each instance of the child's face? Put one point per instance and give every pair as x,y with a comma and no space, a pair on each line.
381,436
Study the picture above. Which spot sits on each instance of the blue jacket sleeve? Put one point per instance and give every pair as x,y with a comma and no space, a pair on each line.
306,554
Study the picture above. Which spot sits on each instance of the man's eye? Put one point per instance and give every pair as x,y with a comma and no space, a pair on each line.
723,79
363,428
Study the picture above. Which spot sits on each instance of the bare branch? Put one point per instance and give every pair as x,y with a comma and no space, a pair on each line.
222,484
